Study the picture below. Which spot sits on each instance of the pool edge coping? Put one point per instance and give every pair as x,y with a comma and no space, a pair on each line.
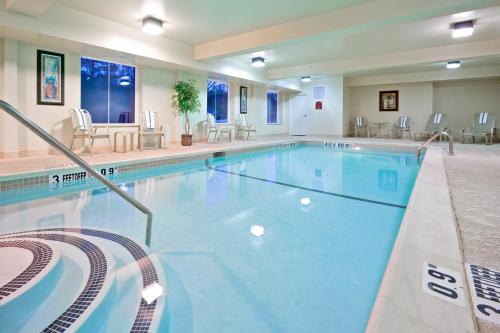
401,304
23,180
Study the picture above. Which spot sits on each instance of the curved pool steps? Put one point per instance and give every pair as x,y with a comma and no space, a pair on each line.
32,285
69,303
25,264
118,305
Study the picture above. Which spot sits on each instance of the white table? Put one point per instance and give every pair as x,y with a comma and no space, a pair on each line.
379,128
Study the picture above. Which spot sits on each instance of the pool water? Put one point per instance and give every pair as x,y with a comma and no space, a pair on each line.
317,268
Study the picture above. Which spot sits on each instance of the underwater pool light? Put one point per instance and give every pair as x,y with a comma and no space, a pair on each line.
152,292
305,201
257,230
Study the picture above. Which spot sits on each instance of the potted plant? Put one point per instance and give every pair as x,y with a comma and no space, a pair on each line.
186,101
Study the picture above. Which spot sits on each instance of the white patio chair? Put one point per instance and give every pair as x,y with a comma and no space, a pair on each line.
483,126
361,125
212,127
401,126
435,124
243,127
83,129
150,127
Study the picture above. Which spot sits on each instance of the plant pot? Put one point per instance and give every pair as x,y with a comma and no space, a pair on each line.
186,139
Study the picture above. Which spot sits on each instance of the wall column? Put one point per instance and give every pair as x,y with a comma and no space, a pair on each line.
9,127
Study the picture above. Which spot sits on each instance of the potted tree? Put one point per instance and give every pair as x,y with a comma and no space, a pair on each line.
186,101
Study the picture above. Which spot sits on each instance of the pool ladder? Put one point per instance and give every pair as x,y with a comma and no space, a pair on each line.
286,145
26,121
451,151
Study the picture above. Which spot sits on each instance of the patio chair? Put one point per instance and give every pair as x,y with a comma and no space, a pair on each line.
401,126
483,125
216,129
83,129
243,127
150,127
361,125
435,124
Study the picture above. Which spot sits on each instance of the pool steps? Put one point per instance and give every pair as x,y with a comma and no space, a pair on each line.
52,291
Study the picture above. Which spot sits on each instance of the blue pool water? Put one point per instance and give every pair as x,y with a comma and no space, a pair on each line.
316,269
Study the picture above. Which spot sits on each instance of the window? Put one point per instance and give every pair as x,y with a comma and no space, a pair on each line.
217,100
272,107
108,91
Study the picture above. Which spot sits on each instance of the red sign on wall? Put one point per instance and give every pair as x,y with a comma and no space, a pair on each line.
319,105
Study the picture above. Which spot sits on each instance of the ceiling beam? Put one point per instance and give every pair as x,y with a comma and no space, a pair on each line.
28,7
434,54
357,18
480,72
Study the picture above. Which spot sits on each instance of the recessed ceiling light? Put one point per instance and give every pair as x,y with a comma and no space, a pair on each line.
152,25
258,62
453,64
306,79
462,29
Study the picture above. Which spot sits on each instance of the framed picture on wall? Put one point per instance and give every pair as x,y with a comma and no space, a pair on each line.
243,99
389,100
50,78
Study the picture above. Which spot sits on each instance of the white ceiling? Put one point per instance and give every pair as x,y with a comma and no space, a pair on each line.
386,39
199,21
324,34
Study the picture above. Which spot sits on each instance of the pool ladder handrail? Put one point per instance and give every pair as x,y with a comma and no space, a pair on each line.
451,151
26,121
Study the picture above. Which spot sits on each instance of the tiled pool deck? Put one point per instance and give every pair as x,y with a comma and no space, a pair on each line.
452,192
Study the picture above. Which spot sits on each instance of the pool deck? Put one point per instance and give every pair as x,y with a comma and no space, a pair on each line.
451,219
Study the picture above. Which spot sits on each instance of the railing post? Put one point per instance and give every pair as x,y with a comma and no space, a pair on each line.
450,143
26,121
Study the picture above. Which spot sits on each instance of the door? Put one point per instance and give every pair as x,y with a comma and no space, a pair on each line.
299,114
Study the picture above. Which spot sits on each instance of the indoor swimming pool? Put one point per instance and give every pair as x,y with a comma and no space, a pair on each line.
328,218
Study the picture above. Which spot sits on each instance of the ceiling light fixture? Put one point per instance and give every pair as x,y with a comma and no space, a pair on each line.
124,81
258,62
453,64
462,29
152,25
306,79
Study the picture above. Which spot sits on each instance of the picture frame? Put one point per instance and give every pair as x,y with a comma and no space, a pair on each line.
389,100
243,99
50,78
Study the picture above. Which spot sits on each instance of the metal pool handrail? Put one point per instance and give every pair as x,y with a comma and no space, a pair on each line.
451,151
26,121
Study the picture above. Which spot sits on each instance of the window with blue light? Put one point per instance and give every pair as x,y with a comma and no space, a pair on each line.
108,91
217,99
272,107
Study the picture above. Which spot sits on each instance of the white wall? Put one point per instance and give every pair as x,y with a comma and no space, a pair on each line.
415,100
460,100
257,112
329,120
154,90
